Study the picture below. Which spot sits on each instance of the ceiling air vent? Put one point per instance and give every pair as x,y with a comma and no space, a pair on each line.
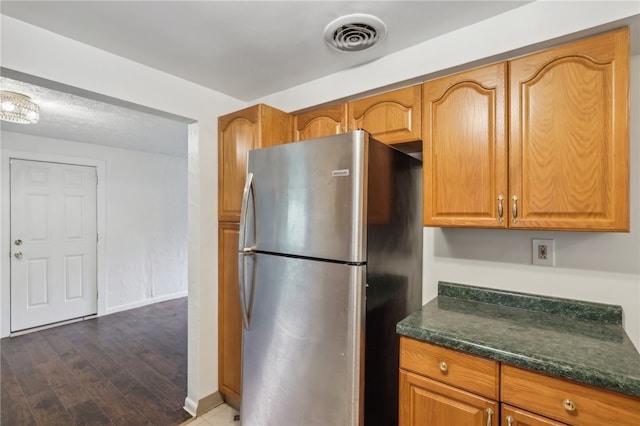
351,33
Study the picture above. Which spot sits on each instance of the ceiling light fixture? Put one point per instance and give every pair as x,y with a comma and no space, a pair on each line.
355,32
18,108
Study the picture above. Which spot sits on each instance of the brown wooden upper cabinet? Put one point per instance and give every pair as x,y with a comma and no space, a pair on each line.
568,141
465,149
569,137
320,122
391,117
258,126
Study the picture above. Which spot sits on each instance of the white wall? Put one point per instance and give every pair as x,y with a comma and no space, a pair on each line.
145,218
31,50
598,267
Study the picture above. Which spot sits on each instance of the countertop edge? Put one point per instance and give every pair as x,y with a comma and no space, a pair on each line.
604,380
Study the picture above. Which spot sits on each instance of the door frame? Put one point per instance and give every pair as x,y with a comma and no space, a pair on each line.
5,226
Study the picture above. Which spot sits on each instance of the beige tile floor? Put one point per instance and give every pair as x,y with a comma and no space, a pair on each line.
222,415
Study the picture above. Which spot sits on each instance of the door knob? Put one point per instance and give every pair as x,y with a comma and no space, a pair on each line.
18,255
18,242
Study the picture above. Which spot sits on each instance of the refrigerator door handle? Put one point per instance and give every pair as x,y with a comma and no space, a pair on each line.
248,190
241,282
243,250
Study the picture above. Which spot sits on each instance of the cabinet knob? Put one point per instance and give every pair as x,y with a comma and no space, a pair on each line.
509,420
569,405
443,367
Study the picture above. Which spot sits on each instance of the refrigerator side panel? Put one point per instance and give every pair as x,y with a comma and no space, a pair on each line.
302,351
394,272
310,198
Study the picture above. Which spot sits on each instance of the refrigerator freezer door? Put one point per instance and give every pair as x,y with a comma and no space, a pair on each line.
310,198
302,351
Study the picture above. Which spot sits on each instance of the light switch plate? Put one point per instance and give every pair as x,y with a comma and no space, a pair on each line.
543,252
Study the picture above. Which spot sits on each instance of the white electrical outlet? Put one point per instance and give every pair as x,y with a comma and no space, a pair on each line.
543,252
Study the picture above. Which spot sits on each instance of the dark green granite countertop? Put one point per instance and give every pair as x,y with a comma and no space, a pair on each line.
579,341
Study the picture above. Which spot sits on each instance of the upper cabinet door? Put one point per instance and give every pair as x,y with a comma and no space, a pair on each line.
237,134
391,117
258,126
321,122
464,149
569,138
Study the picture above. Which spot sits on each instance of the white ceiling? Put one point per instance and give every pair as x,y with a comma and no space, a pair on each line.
71,117
245,49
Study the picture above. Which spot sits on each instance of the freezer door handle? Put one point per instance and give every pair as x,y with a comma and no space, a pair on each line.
248,190
243,250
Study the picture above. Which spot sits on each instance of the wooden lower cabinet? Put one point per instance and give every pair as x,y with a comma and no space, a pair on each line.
512,416
229,315
427,402
431,394
565,401
468,372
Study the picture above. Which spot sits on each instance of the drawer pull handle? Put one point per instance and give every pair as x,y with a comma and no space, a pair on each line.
444,367
569,405
489,415
509,421
514,209
500,209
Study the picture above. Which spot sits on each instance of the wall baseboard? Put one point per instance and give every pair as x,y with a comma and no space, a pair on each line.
133,305
190,406
198,408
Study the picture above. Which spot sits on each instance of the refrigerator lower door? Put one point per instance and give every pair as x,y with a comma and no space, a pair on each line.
302,351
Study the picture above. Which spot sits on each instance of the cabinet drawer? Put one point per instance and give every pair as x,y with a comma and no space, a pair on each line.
512,416
464,371
555,398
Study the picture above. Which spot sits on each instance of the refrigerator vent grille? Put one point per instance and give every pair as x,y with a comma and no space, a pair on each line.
352,33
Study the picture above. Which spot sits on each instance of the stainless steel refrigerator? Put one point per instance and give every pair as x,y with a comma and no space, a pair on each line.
329,261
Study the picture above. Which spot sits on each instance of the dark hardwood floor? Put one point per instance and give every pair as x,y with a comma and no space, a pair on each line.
127,368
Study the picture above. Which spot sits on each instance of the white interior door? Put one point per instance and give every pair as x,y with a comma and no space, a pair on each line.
53,243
